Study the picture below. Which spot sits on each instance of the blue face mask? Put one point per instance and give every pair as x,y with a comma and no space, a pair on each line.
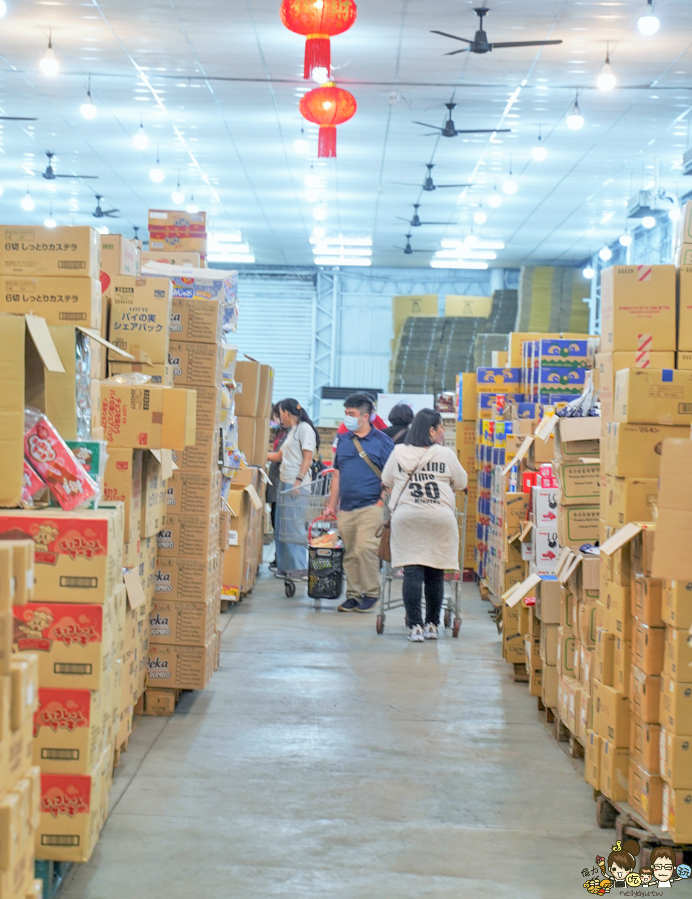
351,423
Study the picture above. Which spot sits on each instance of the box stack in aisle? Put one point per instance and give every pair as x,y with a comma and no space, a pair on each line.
180,233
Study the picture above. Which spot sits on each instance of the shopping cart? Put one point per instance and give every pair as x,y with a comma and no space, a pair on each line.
451,603
325,564
300,506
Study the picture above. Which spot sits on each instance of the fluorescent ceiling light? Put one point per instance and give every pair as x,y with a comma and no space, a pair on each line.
466,254
340,240
341,260
223,237
457,263
327,250
472,242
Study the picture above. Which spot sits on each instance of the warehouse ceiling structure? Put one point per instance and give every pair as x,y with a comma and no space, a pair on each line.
215,87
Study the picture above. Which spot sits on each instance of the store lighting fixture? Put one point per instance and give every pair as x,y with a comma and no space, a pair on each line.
3,8
472,243
192,207
317,233
178,196
320,213
495,200
458,263
649,23
606,80
675,214
539,152
463,253
625,240
341,260
510,186
312,181
575,120
649,222
312,196
301,145
588,273
27,203
140,140
157,174
339,240
325,249
88,108
49,62
605,254
480,217
50,221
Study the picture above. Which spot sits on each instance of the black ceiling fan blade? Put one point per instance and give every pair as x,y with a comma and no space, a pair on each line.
81,177
435,223
405,183
17,118
402,219
113,213
524,44
483,130
454,37
453,185
425,125
455,52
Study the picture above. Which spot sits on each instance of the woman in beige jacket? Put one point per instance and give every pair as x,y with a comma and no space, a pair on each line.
423,476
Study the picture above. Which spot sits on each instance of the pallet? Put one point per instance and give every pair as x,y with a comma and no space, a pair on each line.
160,703
628,823
521,675
228,604
572,745
52,875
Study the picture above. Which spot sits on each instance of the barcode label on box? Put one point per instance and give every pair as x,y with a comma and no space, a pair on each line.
72,264
72,668
73,316
63,755
58,839
82,582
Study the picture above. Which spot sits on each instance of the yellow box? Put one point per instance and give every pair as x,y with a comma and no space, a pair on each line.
140,313
676,607
35,251
611,714
627,499
467,307
148,416
634,450
592,760
614,771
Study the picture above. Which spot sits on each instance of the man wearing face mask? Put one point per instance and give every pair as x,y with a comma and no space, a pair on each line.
360,456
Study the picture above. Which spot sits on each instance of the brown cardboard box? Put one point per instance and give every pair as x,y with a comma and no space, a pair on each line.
191,492
576,438
549,639
246,437
154,506
208,408
645,695
647,600
614,771
659,396
186,580
676,706
592,763
549,686
645,793
78,555
677,814
196,320
191,536
69,730
187,259
567,656
647,648
580,484
118,257
466,445
634,451
158,374
586,623
148,416
676,606
23,560
577,525
247,395
37,252
627,499
178,244
685,308
672,557
185,623
203,456
642,549
140,312
616,603
607,364
548,601
61,301
74,642
173,221
683,361
678,656
180,667
604,657
260,445
611,714
638,308
622,664
122,483
196,364
266,389
676,760
644,743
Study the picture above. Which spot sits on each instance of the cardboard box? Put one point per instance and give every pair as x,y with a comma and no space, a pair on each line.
246,437
567,657
189,536
196,364
186,259
140,314
638,308
78,555
247,393
154,507
683,361
645,793
607,364
208,408
646,600
180,667
266,390
627,499
61,301
678,656
118,257
673,546
676,706
69,727
579,483
190,492
548,601
161,375
622,664
592,760
634,451
614,772
659,396
676,605
611,714
173,221
647,649
186,623
586,623
148,416
465,444
186,580
546,548
176,244
203,456
466,399
122,483
677,814
675,759
577,525
549,641
576,438
645,743
37,252
498,380
74,642
685,308
196,320
604,657
549,686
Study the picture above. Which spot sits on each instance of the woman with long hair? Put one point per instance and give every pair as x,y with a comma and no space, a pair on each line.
295,456
400,417
279,435
423,476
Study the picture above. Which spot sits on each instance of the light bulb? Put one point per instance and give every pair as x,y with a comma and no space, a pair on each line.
625,240
312,196
606,80
301,146
318,4
605,254
140,140
318,233
27,202
320,74
178,196
50,222
312,181
648,23
539,153
320,213
49,63
88,109
674,215
192,207
588,273
479,217
649,222
510,186
495,200
575,120
157,175
3,8
1,191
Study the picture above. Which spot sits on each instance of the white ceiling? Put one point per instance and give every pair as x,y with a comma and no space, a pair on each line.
231,136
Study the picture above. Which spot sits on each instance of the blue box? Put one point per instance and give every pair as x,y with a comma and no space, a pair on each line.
559,353
565,379
498,380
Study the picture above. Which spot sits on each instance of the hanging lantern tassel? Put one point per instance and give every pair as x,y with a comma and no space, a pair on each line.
318,55
327,106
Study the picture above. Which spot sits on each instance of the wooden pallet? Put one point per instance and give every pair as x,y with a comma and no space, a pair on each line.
574,747
628,823
521,675
160,703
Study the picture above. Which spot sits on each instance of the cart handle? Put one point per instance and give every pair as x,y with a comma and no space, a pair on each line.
314,521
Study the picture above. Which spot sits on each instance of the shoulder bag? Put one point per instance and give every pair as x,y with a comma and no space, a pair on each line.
384,532
365,457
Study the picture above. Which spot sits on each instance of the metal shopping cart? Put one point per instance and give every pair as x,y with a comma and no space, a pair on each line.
452,600
300,506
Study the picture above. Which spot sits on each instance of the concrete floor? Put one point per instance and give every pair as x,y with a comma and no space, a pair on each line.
327,761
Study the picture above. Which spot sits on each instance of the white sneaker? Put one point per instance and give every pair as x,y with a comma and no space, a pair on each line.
430,631
416,635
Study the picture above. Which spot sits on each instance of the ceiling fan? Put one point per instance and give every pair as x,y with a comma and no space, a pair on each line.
408,249
480,43
50,174
450,130
99,213
17,118
416,222
428,183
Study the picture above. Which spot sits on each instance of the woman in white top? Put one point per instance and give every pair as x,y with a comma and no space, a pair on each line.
423,476
295,455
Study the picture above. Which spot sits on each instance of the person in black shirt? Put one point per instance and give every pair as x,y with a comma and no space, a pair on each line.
400,417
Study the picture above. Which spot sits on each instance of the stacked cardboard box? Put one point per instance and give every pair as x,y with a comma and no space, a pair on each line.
171,231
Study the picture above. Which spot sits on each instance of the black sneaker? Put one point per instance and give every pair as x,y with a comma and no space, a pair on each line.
272,565
367,603
350,605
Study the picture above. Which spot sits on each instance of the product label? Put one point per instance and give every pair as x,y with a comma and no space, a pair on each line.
63,794
53,537
62,710
38,625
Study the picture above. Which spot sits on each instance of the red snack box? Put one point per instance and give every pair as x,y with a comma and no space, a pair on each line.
55,462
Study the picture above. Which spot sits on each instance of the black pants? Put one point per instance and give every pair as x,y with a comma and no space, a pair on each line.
414,577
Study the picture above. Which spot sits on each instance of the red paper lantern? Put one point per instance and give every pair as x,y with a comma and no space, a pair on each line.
318,20
327,106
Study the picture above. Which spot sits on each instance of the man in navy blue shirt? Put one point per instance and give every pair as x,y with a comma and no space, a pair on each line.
357,490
